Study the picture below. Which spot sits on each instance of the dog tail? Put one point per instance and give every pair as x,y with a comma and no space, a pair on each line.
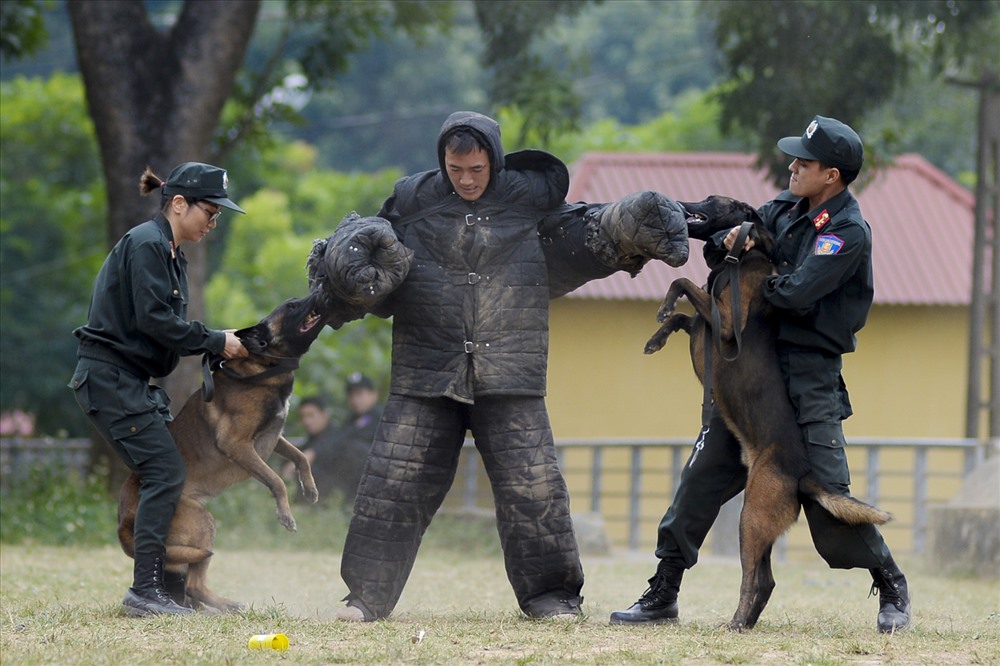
181,554
175,554
850,510
126,540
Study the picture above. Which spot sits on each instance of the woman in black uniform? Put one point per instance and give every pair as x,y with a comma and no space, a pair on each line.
137,329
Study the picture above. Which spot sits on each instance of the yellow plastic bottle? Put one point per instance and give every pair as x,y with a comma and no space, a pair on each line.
277,642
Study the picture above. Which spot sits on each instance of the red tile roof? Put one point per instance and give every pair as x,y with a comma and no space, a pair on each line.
922,221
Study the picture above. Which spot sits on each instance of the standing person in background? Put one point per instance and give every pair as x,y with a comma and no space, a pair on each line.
358,432
314,415
137,329
822,292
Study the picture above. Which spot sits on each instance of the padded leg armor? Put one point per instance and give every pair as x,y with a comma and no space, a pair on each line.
409,471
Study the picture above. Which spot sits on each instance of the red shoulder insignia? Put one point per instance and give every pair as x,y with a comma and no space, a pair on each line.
820,220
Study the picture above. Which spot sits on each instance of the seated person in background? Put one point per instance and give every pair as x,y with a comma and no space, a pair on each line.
338,454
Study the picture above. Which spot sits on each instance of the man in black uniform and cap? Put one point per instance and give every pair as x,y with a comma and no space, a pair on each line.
823,292
136,330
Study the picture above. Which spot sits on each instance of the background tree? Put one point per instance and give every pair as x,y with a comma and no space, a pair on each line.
840,59
155,98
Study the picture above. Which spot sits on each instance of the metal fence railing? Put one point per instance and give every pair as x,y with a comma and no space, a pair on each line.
629,482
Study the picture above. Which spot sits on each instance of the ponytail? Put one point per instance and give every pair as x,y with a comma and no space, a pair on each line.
149,182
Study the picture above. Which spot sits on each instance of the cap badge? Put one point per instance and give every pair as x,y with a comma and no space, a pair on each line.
225,180
820,220
813,126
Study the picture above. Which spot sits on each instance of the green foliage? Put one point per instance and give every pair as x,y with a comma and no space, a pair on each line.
329,32
51,505
929,116
955,34
786,69
263,261
637,58
53,242
691,126
22,27
542,91
837,59
306,46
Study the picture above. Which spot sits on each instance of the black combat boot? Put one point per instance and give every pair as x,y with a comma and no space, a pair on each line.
175,584
893,597
147,595
658,604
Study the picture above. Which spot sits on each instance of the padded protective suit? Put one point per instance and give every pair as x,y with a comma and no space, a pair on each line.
470,346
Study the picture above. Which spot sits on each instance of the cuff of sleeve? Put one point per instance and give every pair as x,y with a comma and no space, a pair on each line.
216,341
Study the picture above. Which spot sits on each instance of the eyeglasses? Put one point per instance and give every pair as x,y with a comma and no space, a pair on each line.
212,217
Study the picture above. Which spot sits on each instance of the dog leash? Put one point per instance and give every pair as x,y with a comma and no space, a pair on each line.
213,362
732,277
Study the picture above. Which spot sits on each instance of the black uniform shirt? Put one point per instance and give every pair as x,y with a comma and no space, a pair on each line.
824,260
139,307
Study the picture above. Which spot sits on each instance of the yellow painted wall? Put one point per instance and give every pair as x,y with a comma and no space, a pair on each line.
907,379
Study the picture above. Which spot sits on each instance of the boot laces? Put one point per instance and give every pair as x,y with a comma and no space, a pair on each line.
658,587
158,588
888,591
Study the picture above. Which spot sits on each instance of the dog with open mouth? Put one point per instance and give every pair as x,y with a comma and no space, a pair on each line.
226,433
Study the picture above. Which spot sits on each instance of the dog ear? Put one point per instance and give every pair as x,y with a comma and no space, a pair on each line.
253,338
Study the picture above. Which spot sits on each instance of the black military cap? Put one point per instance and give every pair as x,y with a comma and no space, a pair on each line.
358,380
829,141
200,181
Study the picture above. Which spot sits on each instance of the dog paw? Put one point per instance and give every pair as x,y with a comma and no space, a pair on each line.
311,494
287,521
656,342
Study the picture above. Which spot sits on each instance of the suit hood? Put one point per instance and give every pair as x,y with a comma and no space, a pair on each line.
485,127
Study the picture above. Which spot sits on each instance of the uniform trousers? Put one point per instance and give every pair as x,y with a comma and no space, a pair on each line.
132,416
715,473
412,465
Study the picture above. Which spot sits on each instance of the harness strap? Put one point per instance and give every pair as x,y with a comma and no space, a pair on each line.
732,278
211,362
706,398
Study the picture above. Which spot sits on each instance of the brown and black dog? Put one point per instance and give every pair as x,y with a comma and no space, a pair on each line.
228,440
750,394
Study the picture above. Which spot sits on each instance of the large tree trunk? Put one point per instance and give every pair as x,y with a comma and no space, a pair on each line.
155,97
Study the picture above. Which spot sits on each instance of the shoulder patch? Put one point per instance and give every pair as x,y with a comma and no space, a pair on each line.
828,244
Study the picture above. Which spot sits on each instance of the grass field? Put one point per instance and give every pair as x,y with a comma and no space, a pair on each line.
60,605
